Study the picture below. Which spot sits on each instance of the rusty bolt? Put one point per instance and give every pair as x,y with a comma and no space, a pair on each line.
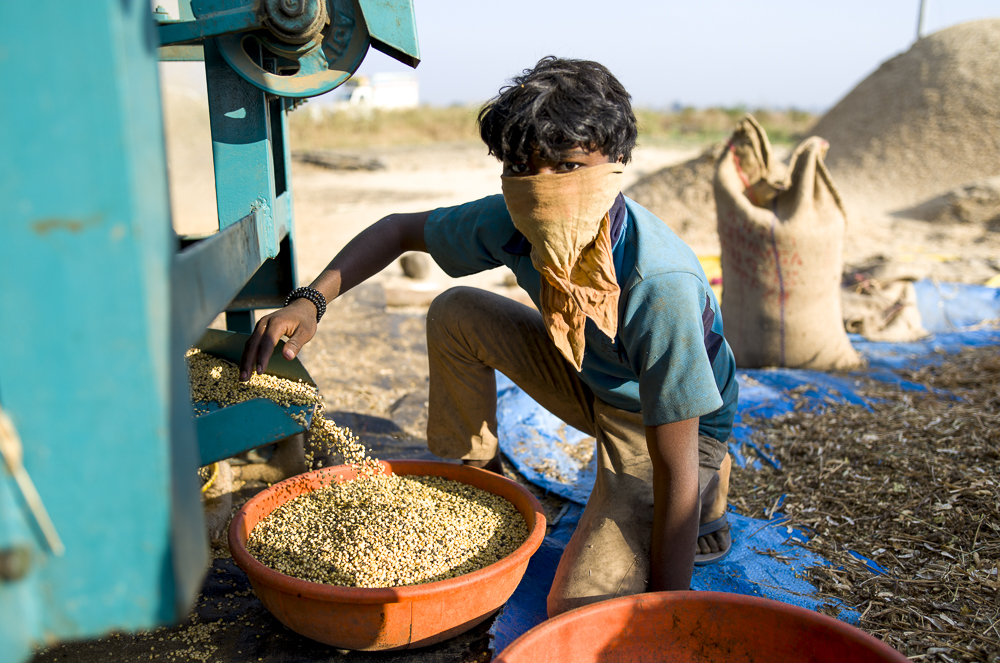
14,563
293,7
295,21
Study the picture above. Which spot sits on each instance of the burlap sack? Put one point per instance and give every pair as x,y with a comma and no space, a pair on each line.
782,236
883,311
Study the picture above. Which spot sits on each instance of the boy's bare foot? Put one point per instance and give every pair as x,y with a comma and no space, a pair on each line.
713,511
714,542
492,465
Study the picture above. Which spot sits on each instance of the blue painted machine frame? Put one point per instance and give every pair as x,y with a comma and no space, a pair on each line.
99,301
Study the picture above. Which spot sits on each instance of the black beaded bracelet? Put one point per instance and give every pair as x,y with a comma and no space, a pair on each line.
313,295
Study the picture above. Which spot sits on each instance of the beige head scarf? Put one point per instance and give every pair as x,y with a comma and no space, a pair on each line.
565,217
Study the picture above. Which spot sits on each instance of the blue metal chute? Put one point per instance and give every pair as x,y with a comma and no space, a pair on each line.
223,432
393,29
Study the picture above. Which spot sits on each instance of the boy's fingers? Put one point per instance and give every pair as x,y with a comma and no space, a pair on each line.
267,343
248,359
295,343
260,346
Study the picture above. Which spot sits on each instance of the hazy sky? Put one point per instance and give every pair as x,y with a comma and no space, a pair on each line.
776,53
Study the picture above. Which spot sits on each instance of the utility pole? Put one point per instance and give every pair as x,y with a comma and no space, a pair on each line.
921,19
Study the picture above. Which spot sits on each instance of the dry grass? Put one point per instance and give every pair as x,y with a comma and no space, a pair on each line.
711,125
428,124
913,483
378,128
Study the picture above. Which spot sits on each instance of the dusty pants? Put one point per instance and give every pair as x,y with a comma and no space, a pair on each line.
470,333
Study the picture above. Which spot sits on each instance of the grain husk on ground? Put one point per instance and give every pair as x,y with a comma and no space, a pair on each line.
926,121
682,197
976,202
912,482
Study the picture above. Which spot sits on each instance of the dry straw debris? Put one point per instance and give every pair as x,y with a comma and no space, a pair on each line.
911,482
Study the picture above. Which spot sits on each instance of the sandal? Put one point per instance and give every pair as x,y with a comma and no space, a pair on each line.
719,525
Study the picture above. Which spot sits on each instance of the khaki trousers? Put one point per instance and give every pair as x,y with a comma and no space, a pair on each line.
470,333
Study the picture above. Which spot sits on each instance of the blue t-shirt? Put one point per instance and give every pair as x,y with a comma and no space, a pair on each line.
669,359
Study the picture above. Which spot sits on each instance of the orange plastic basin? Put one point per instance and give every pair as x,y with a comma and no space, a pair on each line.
392,617
695,626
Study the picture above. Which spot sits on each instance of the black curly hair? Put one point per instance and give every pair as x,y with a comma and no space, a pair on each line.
556,106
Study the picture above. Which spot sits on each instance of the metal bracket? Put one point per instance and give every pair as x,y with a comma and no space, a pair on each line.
215,24
13,454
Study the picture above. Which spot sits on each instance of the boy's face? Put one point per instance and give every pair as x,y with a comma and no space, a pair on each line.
571,160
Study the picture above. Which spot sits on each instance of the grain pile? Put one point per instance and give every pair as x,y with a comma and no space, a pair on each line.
913,483
214,380
928,120
381,531
373,531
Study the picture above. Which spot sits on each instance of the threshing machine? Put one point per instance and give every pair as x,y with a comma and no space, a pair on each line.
100,518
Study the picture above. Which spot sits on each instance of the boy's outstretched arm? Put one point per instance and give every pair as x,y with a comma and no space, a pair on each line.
673,449
364,256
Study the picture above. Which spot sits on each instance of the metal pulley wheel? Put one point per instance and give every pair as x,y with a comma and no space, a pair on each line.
308,47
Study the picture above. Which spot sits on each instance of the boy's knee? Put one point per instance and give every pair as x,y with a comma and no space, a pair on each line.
452,306
452,297
464,312
631,577
606,557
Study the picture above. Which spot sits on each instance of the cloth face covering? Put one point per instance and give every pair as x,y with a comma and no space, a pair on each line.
565,217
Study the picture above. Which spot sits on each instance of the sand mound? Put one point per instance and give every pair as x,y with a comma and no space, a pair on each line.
682,197
976,202
925,122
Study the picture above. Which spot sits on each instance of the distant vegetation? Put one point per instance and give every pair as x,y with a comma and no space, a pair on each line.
378,128
709,125
428,124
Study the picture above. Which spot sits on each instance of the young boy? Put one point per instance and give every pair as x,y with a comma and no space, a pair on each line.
626,344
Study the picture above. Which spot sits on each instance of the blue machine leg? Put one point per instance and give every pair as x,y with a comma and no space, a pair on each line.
240,321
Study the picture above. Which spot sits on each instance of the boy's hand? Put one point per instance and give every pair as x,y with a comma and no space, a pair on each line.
297,321
364,256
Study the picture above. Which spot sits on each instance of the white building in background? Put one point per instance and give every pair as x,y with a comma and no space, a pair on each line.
385,91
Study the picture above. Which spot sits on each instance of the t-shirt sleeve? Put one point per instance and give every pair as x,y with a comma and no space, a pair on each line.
664,337
467,238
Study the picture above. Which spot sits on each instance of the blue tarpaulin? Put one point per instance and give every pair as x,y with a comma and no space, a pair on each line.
764,560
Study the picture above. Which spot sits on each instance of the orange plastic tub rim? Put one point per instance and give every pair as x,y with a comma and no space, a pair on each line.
392,617
694,627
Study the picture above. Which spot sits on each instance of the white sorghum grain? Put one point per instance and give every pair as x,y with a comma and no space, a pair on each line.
217,380
388,531
374,531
